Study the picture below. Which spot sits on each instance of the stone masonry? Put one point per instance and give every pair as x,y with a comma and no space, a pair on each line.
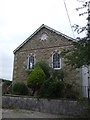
43,50
60,107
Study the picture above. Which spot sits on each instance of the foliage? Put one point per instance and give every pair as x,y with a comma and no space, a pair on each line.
79,28
36,79
83,101
79,55
6,87
20,88
45,67
58,74
52,89
80,52
69,92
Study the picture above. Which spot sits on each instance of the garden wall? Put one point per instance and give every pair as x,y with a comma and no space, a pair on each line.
65,107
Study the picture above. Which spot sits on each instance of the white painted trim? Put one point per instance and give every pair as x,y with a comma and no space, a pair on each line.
28,63
28,60
60,62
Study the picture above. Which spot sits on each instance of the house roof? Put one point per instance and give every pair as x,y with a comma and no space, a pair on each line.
42,26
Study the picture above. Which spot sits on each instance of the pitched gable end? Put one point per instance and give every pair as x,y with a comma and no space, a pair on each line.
42,26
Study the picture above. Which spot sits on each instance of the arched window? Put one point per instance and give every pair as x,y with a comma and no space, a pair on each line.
30,62
56,61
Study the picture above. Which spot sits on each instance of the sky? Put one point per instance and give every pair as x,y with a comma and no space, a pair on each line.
20,18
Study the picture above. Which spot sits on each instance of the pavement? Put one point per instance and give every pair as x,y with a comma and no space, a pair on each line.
19,113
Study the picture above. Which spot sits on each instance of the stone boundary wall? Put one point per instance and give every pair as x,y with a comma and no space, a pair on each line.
64,107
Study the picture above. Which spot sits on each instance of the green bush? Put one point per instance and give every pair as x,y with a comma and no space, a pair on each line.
45,67
7,87
52,89
20,88
36,79
69,92
58,74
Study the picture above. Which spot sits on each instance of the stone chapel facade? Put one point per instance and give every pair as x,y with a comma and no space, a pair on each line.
44,44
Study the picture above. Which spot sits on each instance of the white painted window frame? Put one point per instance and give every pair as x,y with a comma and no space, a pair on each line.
59,61
28,68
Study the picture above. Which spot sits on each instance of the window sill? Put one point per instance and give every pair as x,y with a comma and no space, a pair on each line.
56,68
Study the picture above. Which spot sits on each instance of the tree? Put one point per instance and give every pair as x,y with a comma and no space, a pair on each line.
78,28
80,55
36,79
45,67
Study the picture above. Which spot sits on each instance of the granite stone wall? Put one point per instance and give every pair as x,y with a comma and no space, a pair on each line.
65,107
43,50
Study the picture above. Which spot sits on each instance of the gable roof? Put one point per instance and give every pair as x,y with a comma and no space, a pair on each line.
42,26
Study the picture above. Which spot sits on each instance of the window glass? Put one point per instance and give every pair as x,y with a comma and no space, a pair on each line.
31,62
56,61
43,37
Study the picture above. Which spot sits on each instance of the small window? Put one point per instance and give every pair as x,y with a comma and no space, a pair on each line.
31,62
43,37
56,61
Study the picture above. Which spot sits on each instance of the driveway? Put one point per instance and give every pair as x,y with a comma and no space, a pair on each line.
17,113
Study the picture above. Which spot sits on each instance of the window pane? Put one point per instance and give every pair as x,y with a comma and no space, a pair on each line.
56,60
31,62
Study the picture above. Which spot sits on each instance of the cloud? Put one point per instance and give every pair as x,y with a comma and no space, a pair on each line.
20,18
6,65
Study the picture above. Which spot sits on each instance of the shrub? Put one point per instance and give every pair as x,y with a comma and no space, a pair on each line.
45,67
36,79
70,93
20,88
6,87
52,89
58,74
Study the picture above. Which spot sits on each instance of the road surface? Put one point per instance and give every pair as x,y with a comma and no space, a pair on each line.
17,113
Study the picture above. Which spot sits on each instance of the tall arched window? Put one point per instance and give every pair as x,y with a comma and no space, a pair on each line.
56,61
30,62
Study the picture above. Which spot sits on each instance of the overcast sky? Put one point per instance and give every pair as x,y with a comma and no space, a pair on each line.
20,18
